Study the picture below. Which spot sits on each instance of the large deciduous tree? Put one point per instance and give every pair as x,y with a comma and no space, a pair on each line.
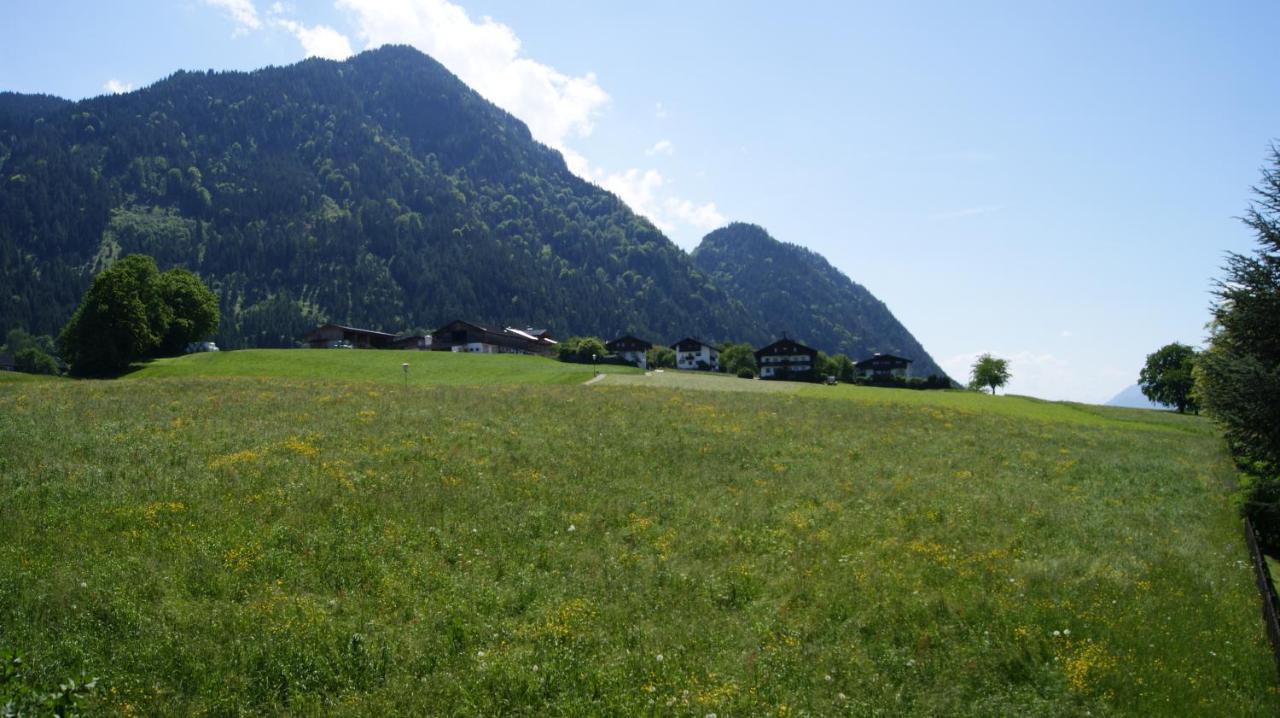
1168,378
131,311
988,371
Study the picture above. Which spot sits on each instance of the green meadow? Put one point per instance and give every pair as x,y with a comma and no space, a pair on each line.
272,533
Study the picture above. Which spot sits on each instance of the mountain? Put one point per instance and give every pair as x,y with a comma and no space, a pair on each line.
382,192
787,288
1133,398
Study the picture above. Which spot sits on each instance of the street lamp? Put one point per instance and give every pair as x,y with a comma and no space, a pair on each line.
405,368
594,368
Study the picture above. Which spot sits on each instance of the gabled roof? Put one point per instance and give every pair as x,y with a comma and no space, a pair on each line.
785,347
696,341
357,330
627,339
883,359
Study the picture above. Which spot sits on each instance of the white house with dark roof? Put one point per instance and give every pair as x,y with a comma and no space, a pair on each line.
635,351
696,354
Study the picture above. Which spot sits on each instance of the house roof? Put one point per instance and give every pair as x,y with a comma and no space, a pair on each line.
693,341
356,330
786,346
627,340
883,360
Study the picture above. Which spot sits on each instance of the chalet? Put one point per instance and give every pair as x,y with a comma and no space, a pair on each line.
460,336
633,350
696,354
883,366
787,359
331,336
421,342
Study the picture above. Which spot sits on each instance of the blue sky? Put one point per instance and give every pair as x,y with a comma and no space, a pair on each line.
1056,183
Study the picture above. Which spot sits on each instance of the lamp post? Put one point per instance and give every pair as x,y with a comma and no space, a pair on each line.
594,367
405,368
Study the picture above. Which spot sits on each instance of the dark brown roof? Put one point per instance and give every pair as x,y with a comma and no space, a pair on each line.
883,360
627,340
786,347
357,330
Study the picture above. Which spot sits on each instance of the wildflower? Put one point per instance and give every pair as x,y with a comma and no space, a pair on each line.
1057,633
83,584
827,678
659,658
572,528
1066,631
841,696
479,654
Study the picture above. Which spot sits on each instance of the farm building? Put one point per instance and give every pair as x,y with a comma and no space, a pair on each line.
696,354
787,359
460,336
883,366
632,349
416,341
329,336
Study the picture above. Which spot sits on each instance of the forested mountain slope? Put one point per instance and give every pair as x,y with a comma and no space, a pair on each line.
380,191
787,288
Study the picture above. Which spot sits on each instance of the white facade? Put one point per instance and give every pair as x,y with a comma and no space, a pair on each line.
784,364
640,359
705,358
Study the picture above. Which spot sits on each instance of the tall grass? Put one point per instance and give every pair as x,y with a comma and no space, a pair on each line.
287,546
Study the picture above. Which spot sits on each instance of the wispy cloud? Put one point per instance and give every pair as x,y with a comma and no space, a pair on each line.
661,147
967,212
116,87
659,111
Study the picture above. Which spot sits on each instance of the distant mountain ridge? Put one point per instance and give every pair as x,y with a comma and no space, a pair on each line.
1133,398
379,191
793,290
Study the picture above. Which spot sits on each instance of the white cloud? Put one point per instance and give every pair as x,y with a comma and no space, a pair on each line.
242,13
661,147
968,212
659,111
318,40
1044,375
116,87
639,189
486,56
702,216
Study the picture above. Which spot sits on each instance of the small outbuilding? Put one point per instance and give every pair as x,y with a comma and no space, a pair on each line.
787,359
635,351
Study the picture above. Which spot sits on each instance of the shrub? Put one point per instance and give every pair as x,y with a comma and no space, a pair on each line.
745,373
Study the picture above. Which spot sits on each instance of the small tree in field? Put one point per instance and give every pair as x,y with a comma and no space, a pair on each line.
1167,377
988,371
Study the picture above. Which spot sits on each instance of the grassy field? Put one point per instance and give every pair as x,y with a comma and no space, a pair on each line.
234,545
375,366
